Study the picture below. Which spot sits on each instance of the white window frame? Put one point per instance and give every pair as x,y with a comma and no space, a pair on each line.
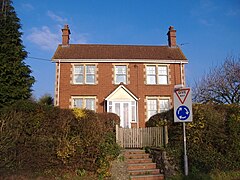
119,74
162,75
163,108
158,75
159,107
84,102
150,111
151,76
84,74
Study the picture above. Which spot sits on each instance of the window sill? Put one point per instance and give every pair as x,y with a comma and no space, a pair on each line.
83,84
120,84
157,84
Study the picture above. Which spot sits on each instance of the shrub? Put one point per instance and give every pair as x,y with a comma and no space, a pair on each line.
160,119
79,113
110,120
29,135
109,151
37,137
212,143
212,137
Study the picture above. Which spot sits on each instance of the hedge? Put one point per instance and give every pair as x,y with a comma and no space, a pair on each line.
36,137
212,138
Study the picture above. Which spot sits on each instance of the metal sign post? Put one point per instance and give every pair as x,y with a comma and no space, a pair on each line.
185,151
183,113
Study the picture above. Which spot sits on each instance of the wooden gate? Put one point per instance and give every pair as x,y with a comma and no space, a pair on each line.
141,137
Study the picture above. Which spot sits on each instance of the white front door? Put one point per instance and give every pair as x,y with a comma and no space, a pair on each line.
126,110
122,109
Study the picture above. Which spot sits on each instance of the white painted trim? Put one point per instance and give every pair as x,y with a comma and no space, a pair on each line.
121,86
59,74
182,75
173,61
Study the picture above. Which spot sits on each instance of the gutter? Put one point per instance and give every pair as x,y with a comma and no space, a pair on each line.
163,61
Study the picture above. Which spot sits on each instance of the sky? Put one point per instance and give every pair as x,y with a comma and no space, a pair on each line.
207,30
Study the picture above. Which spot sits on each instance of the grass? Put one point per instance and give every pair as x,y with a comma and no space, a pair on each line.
78,174
121,158
231,175
216,175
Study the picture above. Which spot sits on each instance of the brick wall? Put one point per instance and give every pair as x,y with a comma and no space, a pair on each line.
105,86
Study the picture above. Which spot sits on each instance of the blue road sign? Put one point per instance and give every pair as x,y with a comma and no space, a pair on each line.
182,113
182,105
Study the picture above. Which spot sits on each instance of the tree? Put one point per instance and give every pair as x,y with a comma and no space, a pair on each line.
46,99
15,76
221,85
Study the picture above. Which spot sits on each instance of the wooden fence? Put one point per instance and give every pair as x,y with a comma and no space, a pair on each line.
141,137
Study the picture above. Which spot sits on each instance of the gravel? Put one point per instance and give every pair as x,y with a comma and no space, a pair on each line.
119,169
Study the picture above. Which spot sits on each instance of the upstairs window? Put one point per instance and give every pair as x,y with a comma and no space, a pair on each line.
162,75
156,74
151,75
120,74
84,74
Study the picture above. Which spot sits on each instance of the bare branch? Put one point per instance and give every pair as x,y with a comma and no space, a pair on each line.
221,85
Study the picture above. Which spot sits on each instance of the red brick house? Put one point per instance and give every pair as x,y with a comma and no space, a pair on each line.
133,81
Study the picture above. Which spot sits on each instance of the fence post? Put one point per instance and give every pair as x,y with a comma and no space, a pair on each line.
117,138
165,136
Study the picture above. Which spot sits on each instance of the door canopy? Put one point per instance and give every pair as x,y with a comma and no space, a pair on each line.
121,93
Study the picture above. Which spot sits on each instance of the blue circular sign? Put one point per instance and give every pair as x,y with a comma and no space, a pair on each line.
182,113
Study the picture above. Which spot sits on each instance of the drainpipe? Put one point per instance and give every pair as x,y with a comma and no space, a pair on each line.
137,114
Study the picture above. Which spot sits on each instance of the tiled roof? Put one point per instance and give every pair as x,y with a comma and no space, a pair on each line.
99,51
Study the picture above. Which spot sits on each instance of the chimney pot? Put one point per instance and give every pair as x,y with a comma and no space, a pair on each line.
65,35
172,37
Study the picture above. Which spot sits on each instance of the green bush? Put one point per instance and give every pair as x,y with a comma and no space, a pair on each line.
97,140
29,135
212,137
109,151
37,137
110,120
160,119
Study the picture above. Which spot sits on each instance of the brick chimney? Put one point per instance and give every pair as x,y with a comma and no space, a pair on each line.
65,35
172,37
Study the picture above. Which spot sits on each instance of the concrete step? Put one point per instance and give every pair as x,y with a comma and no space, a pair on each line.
142,166
135,151
137,156
138,161
148,177
144,172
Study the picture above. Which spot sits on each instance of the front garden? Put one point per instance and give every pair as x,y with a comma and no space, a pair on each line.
45,141
40,140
